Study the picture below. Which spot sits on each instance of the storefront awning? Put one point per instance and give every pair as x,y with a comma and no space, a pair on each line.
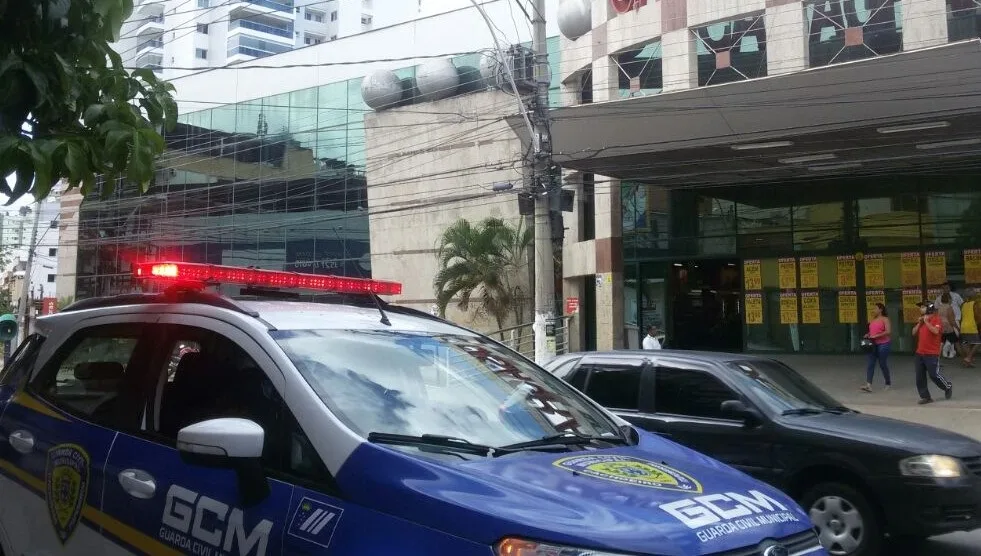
835,118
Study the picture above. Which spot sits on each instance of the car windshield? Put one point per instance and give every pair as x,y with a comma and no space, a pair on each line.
466,387
781,388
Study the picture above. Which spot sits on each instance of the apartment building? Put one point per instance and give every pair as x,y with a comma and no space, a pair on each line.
178,37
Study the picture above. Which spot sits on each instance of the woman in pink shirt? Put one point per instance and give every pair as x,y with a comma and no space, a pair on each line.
880,330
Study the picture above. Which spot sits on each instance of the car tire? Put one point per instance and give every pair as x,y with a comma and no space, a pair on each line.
847,523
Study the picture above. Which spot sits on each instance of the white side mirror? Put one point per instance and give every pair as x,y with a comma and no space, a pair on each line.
227,437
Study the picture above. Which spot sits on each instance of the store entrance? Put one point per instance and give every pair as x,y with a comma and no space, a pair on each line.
707,313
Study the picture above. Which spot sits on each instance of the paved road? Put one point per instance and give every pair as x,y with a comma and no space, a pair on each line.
960,544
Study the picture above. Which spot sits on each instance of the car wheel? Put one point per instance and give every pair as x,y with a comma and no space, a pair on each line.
847,523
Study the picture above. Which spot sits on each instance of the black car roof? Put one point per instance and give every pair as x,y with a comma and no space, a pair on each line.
677,355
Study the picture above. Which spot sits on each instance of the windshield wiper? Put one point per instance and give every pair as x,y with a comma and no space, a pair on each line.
559,441
435,440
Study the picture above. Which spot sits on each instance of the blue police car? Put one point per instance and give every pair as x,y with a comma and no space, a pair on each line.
331,422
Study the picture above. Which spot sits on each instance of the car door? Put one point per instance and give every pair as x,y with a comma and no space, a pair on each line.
59,426
687,408
166,502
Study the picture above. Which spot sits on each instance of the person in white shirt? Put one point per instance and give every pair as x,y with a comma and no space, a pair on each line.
651,341
955,300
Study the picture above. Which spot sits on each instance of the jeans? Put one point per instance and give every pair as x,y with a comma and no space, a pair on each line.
880,354
929,365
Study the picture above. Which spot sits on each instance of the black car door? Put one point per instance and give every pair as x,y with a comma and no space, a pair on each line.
687,408
616,383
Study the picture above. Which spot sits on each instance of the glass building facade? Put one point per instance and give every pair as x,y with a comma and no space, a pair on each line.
793,267
277,183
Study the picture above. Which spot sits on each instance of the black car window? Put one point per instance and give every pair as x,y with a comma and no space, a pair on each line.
22,360
615,387
690,393
563,368
90,375
578,378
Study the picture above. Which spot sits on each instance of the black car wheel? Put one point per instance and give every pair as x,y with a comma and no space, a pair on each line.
847,523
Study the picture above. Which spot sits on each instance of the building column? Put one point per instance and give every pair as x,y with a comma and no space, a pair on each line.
572,287
680,66
786,37
924,23
609,265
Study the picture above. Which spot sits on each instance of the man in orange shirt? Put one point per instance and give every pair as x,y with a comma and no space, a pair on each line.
928,331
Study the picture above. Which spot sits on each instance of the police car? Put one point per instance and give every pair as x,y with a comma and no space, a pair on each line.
269,423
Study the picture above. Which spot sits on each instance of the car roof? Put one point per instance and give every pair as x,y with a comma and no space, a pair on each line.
338,312
675,355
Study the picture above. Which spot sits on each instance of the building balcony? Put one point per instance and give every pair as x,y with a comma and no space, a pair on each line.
280,9
150,25
263,28
152,45
246,47
151,60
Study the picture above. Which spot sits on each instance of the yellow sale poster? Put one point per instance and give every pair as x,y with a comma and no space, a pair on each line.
788,308
875,273
811,307
936,268
911,313
808,273
872,297
787,268
910,269
846,271
754,308
847,307
972,266
752,275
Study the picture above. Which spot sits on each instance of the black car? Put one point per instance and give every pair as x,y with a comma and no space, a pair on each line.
861,477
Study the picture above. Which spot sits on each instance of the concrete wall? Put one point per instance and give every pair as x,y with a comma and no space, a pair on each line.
428,167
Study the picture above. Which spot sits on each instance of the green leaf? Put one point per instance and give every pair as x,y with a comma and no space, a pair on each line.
41,152
146,74
117,147
93,113
75,161
156,142
114,19
170,112
137,170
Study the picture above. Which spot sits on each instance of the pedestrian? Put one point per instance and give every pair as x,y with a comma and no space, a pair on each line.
927,332
956,301
970,317
880,333
651,341
950,336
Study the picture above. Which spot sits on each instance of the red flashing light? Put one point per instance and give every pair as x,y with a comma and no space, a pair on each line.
199,274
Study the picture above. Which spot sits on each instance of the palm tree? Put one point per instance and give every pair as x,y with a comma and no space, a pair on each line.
483,261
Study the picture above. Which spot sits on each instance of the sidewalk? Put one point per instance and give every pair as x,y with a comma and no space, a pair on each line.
842,375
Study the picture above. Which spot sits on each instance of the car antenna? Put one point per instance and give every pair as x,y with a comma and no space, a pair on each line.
374,297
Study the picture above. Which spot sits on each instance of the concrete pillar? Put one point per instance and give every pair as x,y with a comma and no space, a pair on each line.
786,39
572,287
609,265
680,68
924,23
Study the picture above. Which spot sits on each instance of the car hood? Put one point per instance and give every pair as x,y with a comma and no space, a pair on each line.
654,498
890,433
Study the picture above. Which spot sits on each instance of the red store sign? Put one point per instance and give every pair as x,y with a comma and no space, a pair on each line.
624,6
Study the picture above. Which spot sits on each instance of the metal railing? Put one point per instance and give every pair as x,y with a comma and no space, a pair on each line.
272,30
284,6
521,338
152,43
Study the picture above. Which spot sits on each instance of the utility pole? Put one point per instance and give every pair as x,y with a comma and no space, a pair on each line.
25,297
542,189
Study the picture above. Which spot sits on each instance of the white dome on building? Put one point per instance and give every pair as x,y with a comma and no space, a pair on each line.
437,79
575,18
381,89
488,69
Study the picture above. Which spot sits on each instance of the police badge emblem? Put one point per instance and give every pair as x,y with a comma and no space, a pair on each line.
66,480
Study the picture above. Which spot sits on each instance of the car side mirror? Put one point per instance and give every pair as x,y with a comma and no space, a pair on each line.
228,443
738,408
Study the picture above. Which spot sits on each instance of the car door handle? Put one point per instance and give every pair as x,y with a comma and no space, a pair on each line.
22,441
139,484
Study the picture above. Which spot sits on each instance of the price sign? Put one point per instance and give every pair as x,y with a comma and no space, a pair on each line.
846,271
910,269
972,266
754,308
752,275
811,304
875,272
936,268
911,313
788,308
847,307
872,297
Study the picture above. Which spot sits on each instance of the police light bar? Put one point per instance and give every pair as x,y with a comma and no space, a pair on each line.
199,274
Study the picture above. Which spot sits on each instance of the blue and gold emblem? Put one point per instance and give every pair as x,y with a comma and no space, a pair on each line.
66,483
632,471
